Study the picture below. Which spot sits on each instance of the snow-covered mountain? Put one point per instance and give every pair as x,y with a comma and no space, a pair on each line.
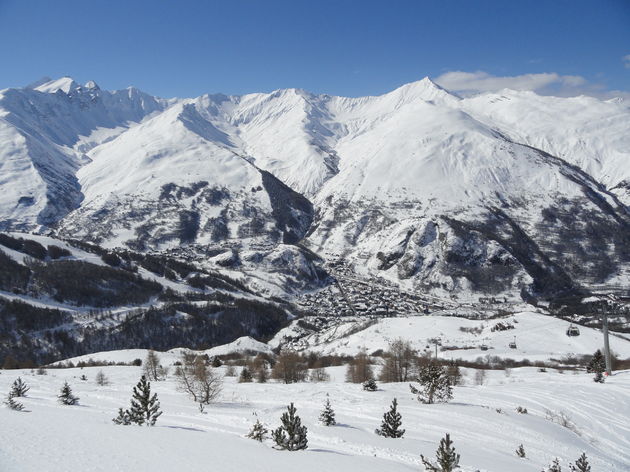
505,193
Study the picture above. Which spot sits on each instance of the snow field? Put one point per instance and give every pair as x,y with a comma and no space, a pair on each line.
482,422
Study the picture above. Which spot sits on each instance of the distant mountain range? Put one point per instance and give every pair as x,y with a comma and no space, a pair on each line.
510,193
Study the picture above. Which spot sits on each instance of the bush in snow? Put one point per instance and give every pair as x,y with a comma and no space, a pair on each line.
370,385
12,404
581,465
392,421
66,397
521,410
520,451
327,416
258,431
19,388
554,466
435,385
123,417
447,458
291,435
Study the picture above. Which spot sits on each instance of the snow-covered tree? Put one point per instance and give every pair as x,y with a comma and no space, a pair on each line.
435,385
145,408
447,458
327,416
581,465
520,451
291,435
370,385
258,431
392,421
66,397
19,388
12,404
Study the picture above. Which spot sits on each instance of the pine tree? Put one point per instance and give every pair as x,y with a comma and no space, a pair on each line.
327,416
66,397
19,388
520,451
392,420
581,465
258,431
447,458
291,435
435,385
11,403
554,467
123,417
597,363
246,375
145,409
370,385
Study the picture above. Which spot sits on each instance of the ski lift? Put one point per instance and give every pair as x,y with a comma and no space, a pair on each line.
513,344
483,347
573,331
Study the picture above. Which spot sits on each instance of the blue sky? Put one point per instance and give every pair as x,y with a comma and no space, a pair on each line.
186,48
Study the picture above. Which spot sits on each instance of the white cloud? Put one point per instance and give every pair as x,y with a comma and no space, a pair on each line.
480,81
626,61
550,83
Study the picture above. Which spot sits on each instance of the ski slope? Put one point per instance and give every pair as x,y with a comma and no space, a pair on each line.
482,421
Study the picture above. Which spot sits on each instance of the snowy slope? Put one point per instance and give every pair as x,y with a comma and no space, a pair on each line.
538,338
482,421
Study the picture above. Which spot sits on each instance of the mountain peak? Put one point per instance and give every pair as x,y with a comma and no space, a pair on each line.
65,84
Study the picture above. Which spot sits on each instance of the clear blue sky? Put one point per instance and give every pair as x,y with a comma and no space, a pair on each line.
186,48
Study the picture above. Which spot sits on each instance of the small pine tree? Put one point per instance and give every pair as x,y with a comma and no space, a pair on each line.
435,385
581,465
11,403
246,375
554,467
597,363
145,408
327,416
447,458
19,388
599,377
83,377
291,435
520,451
123,417
258,431
66,397
370,385
392,420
